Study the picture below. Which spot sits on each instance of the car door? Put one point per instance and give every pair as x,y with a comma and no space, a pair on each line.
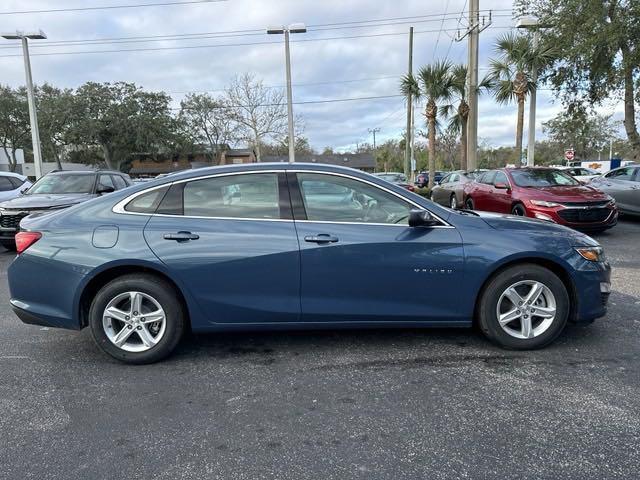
440,191
482,195
7,189
231,240
501,197
360,261
620,185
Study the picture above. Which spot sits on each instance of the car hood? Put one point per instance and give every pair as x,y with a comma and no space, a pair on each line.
44,201
577,193
534,226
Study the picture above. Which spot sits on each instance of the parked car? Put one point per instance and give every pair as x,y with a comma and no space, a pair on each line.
544,193
623,184
296,246
12,184
56,190
582,174
422,179
450,190
396,178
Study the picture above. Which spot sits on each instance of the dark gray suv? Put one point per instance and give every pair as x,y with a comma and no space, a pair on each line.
56,190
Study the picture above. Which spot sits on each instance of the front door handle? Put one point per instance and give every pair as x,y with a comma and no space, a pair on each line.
321,238
181,236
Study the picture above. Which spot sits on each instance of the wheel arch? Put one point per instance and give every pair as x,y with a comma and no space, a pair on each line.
556,267
105,275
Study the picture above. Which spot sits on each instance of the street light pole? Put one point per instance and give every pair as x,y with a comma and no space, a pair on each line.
287,30
374,131
33,116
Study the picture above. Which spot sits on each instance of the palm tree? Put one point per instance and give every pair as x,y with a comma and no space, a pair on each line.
433,82
511,74
458,121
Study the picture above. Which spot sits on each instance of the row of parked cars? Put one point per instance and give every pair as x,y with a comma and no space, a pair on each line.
54,191
588,201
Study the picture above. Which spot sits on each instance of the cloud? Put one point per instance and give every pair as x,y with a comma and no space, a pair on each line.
340,125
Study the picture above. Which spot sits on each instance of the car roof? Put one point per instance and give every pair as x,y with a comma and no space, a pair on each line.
13,174
82,172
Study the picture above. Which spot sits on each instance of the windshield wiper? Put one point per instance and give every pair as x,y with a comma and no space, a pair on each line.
464,211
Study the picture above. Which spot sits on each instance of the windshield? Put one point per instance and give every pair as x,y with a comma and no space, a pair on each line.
393,177
542,178
63,183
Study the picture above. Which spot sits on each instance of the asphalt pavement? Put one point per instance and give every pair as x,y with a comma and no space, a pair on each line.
423,404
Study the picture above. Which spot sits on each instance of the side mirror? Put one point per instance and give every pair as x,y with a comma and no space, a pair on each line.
102,190
422,218
501,186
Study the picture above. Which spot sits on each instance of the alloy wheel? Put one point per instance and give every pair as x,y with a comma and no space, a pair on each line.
134,321
454,202
526,309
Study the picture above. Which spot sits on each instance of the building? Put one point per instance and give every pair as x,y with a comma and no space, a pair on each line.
5,166
361,161
238,155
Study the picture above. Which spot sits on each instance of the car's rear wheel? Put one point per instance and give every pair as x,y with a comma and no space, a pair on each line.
519,210
523,307
468,204
453,202
136,318
9,245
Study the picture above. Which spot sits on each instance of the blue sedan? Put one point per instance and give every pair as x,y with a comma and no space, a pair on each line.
271,246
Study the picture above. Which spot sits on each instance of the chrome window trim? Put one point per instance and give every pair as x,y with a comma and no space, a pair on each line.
119,207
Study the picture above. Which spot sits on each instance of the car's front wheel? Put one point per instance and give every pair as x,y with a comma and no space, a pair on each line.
137,319
523,307
519,210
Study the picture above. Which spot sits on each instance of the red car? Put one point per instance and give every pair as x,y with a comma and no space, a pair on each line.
543,193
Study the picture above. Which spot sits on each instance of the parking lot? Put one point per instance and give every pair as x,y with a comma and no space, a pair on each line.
350,404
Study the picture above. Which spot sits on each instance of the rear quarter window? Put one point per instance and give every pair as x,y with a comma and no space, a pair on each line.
147,202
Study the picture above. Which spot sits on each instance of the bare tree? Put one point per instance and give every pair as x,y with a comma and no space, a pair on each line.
261,112
209,120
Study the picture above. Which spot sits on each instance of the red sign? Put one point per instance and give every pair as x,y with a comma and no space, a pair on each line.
569,154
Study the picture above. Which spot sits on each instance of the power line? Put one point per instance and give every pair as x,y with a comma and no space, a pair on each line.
239,33
306,102
459,22
110,7
219,45
296,84
441,28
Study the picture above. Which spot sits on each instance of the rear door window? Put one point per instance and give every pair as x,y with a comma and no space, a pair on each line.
234,196
6,185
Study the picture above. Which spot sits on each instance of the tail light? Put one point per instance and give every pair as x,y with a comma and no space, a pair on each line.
25,239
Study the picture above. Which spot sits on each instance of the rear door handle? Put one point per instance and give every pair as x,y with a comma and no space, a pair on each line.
321,238
181,236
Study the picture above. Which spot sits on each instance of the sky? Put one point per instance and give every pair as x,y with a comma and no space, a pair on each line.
354,49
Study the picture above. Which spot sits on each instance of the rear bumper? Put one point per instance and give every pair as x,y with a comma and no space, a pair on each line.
28,315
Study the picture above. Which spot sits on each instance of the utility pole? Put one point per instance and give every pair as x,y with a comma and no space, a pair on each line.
33,116
294,28
374,131
408,137
473,32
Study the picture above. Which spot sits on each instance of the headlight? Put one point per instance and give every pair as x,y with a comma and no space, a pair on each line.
544,203
593,254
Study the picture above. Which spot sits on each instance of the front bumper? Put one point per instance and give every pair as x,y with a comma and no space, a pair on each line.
592,287
575,217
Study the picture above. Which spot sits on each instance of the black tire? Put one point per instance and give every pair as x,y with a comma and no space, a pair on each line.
488,305
9,245
468,204
519,210
164,293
